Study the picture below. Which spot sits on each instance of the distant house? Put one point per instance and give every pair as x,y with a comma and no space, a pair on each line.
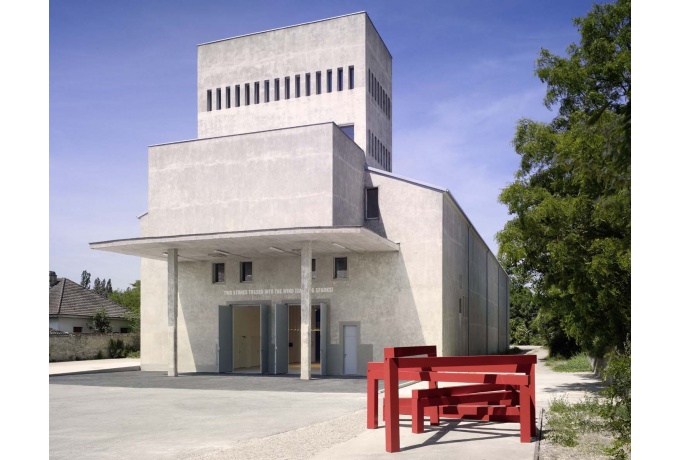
72,308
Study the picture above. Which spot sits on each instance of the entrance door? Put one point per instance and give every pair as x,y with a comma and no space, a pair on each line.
247,326
280,338
323,337
225,357
350,349
316,332
264,339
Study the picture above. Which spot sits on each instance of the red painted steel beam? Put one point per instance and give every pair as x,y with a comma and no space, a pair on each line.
504,379
391,405
372,401
493,363
481,398
398,352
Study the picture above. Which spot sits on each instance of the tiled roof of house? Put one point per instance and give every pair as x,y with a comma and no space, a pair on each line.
71,299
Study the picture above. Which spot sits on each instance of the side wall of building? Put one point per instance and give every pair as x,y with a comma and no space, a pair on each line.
410,215
378,76
475,300
455,228
503,310
492,305
477,289
348,181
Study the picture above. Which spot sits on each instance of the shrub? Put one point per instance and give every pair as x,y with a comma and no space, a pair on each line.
617,408
100,322
576,363
117,349
608,412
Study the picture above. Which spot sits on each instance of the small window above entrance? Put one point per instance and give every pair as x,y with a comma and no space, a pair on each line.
340,268
218,273
246,272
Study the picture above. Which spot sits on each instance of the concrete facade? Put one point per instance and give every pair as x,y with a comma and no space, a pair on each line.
347,48
270,185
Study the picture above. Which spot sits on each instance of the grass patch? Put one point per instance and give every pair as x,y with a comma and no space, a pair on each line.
566,422
599,425
577,363
583,428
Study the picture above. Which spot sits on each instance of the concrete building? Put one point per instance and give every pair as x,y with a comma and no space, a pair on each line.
280,241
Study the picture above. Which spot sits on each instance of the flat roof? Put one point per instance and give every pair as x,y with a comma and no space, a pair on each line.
247,133
304,24
282,28
246,245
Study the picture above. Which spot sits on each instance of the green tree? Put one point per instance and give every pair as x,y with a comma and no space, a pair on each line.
100,322
85,279
570,233
523,311
102,287
130,299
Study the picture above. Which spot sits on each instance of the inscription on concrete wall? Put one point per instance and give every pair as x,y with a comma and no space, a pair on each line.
236,292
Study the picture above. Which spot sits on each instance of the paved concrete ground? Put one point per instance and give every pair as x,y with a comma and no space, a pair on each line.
133,414
98,365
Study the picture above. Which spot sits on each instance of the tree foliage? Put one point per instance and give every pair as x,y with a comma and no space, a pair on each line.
130,298
523,311
85,279
102,287
569,239
100,322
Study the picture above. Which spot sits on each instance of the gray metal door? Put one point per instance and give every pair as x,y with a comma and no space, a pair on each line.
264,339
226,338
281,338
324,337
350,349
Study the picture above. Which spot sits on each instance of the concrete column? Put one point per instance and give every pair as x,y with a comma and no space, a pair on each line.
306,311
173,300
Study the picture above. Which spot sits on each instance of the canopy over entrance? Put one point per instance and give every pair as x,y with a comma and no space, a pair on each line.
290,242
287,242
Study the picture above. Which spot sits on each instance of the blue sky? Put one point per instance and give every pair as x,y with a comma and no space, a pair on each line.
122,76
